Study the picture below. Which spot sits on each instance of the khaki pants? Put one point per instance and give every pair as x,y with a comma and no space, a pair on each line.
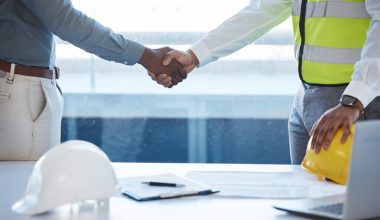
30,116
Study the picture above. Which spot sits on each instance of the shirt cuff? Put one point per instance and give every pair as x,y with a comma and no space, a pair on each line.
202,52
132,53
361,91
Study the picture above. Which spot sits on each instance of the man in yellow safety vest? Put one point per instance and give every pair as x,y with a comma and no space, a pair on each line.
337,47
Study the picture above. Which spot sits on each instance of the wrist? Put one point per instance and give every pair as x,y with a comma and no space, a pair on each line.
147,55
359,106
352,102
194,58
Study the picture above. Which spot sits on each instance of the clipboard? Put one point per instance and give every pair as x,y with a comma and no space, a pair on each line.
135,189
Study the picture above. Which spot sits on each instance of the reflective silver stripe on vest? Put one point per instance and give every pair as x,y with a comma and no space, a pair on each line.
337,9
329,55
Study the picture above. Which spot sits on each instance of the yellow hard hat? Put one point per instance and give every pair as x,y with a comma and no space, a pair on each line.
332,163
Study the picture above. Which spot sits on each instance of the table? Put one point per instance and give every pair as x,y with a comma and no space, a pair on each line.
14,176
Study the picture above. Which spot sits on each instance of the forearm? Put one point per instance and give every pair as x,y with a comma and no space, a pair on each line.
241,29
365,84
62,19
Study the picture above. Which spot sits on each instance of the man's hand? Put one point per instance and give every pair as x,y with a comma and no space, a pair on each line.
152,61
325,128
188,60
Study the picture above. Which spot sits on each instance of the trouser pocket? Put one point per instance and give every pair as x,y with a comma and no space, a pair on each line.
47,126
59,89
36,100
4,87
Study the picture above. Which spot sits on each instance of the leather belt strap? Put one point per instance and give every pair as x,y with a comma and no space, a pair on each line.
30,71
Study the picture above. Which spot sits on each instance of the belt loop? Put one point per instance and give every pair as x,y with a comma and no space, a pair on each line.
11,74
57,72
53,76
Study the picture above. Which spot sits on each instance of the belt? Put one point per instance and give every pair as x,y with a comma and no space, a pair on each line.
30,71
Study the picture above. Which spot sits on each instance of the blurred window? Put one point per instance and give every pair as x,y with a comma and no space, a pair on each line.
233,110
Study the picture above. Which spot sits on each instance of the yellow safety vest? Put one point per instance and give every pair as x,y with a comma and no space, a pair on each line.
329,36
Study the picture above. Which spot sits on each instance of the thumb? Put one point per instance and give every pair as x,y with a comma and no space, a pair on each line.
174,54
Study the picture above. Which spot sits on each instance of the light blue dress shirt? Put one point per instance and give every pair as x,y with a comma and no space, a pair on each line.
27,28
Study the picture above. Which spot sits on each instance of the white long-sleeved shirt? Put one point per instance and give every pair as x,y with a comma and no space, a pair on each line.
254,21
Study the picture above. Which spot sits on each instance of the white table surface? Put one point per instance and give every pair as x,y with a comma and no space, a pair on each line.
14,176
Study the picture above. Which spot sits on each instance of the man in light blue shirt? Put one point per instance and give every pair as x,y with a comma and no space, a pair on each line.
27,28
30,104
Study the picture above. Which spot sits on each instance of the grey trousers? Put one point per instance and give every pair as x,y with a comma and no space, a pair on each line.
310,103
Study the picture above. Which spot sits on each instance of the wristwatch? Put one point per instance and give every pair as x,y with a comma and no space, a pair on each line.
351,102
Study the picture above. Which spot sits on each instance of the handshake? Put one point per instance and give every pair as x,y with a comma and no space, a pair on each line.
168,67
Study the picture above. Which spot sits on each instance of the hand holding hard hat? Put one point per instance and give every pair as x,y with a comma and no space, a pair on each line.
328,124
331,163
70,172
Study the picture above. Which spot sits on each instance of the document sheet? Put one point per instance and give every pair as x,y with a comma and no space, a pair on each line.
278,185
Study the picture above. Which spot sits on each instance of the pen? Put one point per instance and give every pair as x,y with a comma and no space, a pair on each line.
163,184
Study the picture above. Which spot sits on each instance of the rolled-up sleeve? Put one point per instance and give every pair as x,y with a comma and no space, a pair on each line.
71,25
365,84
241,29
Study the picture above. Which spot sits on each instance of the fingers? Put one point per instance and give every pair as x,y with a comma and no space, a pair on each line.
346,132
311,133
166,79
169,62
183,73
321,131
174,80
162,79
184,58
325,128
329,136
178,76
314,133
174,60
177,70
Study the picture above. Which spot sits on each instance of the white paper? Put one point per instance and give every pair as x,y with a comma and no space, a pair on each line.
133,186
278,185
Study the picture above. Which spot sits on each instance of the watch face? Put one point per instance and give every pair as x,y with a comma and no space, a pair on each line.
348,100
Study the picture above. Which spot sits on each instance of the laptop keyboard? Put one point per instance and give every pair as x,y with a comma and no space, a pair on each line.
336,209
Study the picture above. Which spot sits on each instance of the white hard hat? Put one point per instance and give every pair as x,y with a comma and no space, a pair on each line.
70,172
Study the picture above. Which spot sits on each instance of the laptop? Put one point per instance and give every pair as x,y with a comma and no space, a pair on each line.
362,197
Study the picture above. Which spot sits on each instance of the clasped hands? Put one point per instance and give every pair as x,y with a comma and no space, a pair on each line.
168,67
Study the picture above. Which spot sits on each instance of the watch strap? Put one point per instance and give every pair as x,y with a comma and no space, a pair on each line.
353,104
